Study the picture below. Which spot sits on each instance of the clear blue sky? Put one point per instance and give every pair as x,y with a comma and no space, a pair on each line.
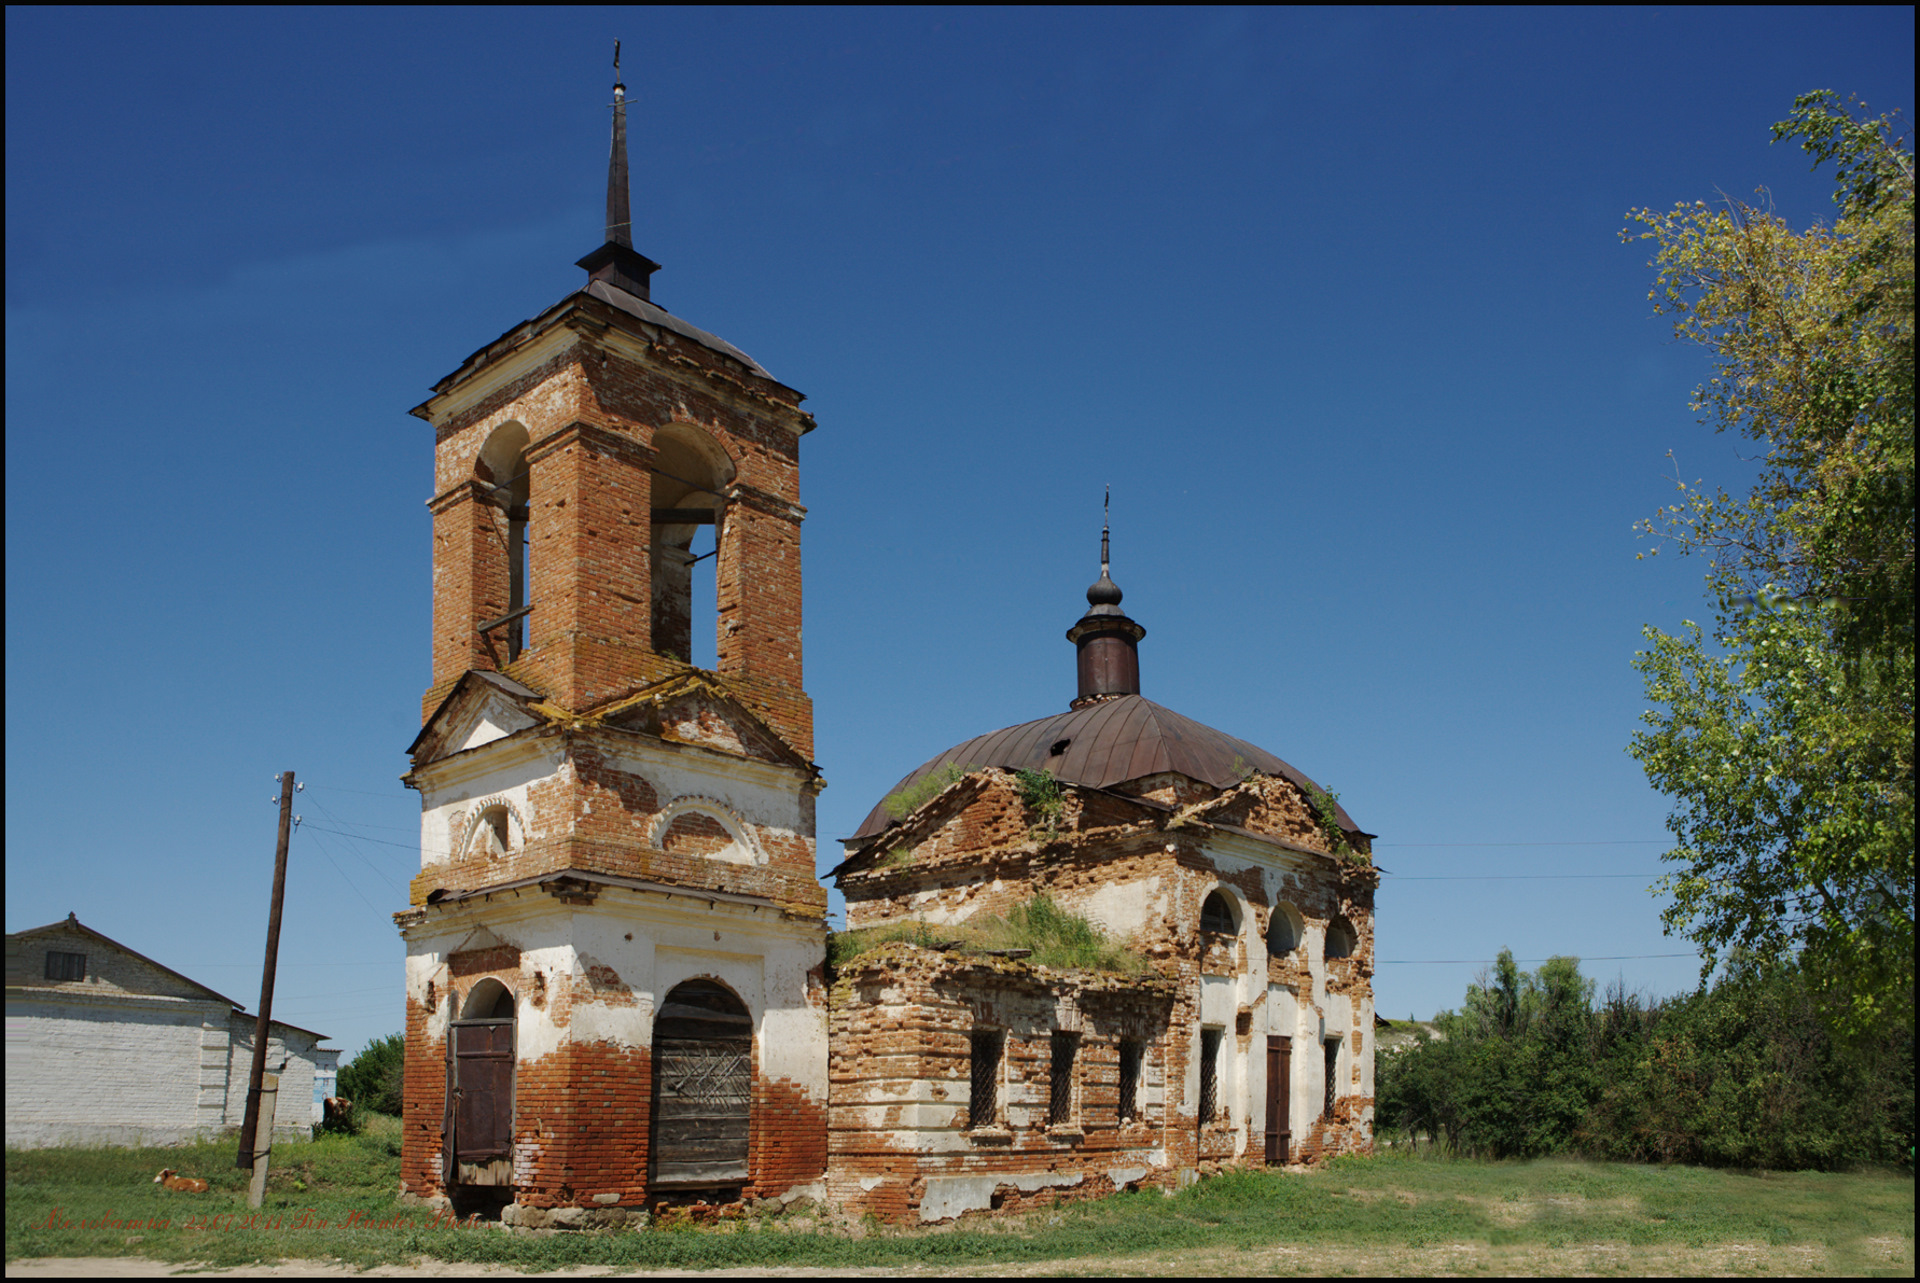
1333,299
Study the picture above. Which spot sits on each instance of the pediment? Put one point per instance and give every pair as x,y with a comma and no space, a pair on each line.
693,711
482,708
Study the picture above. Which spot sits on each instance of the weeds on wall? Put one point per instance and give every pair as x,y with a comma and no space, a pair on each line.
919,792
1049,936
1041,792
1327,813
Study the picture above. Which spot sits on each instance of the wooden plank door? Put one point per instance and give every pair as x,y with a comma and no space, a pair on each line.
1279,1098
482,1090
702,1088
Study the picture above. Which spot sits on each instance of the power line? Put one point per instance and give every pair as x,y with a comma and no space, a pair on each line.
1518,877
1431,845
1434,962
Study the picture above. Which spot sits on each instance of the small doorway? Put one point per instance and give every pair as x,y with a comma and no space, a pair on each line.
702,1089
480,1058
1279,1096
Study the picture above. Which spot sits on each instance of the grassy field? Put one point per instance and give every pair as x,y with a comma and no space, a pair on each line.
333,1201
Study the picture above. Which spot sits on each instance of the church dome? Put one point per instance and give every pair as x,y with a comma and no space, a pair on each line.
1109,735
1107,743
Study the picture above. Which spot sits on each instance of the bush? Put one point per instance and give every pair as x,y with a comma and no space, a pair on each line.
374,1079
1748,1073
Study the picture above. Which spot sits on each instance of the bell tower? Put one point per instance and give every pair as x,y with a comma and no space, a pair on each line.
617,925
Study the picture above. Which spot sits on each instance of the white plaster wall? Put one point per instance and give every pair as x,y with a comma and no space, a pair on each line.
1290,1014
291,1048
458,789
113,1070
1125,908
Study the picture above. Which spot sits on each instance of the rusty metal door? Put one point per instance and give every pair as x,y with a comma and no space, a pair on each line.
702,1088
481,1091
1279,1097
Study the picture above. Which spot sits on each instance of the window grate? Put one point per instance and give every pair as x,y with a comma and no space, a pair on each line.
1209,1074
1060,1081
1333,1065
983,1106
1130,1057
66,966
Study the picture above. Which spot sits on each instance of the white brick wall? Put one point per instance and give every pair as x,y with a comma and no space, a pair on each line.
132,1054
109,1069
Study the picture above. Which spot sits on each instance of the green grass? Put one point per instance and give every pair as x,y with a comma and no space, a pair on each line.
1052,936
1354,1215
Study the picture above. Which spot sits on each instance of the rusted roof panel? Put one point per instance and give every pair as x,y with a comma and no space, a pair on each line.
1109,743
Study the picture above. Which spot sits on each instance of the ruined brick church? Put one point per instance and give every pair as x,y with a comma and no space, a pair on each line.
617,989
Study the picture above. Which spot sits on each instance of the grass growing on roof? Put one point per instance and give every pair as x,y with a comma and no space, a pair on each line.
1053,937
917,794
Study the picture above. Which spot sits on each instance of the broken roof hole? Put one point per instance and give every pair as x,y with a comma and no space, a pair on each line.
1059,747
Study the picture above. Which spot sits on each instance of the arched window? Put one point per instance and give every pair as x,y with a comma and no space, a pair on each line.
1283,931
1341,940
1216,914
507,581
690,475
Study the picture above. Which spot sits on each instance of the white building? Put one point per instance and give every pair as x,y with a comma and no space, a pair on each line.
108,1047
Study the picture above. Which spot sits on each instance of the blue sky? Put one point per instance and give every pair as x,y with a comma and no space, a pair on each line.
1333,299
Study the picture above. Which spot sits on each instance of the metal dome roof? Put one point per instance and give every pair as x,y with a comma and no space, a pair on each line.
1106,743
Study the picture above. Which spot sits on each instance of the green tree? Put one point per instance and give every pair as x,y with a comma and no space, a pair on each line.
1787,743
375,1078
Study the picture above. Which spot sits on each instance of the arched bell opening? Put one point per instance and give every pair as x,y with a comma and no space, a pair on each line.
691,472
702,1090
506,482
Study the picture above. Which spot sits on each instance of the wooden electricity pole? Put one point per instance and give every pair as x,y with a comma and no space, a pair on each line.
256,1127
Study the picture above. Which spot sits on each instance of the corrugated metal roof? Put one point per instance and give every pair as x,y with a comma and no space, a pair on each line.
1109,743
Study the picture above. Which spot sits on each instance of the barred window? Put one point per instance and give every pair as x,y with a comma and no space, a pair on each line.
983,1105
66,966
1333,1066
1130,1058
1060,1081
1209,1074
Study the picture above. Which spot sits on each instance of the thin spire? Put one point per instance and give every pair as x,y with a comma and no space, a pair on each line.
1106,511
619,212
616,263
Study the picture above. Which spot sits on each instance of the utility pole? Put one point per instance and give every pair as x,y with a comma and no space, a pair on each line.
256,1128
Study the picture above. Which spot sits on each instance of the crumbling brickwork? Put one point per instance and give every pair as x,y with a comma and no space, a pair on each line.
1142,862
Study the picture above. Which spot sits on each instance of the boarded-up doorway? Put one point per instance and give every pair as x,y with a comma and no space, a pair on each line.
480,1055
1279,1096
702,1088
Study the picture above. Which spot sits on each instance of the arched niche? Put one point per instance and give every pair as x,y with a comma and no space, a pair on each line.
1342,939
